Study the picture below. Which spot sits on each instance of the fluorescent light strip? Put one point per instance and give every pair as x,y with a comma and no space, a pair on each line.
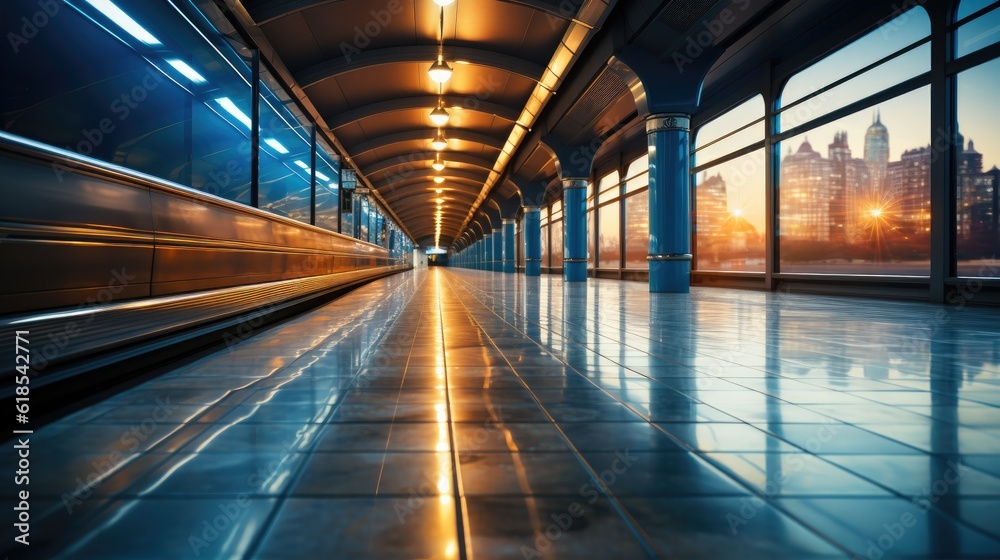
322,177
123,20
233,110
276,145
186,70
301,164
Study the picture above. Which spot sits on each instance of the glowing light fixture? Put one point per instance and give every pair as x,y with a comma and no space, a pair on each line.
439,71
439,116
439,179
438,164
444,3
440,142
186,70
123,20
278,147
233,110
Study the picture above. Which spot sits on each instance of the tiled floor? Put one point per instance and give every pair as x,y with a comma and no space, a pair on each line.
461,414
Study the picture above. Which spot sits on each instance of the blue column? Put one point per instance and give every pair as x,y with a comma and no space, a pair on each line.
498,250
574,230
669,203
532,241
509,255
489,252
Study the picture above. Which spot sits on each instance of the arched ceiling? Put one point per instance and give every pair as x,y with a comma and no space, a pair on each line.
519,73
363,65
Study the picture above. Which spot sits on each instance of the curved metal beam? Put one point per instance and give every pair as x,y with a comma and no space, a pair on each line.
427,157
422,102
426,134
428,175
268,11
417,53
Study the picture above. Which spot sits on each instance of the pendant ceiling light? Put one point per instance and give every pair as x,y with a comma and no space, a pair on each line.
439,71
444,3
439,116
440,142
438,164
439,179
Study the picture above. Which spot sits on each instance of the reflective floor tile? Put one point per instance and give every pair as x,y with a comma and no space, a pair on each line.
725,437
362,528
543,474
508,436
612,436
894,527
726,527
793,474
220,474
572,527
922,475
635,473
172,528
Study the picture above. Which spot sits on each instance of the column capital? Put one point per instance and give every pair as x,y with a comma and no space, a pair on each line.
508,221
665,122
532,208
574,183
498,231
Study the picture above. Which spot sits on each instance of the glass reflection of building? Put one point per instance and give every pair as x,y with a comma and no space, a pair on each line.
977,202
806,193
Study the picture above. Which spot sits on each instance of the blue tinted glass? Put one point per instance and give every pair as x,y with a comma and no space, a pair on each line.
891,37
148,105
978,33
285,158
327,187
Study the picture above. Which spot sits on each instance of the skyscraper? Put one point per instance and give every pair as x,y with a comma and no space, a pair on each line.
806,193
877,153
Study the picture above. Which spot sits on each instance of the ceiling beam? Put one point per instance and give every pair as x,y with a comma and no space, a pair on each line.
421,102
270,10
423,160
427,176
425,134
332,67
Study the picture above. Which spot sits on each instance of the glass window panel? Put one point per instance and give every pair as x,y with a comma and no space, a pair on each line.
978,33
519,245
591,234
327,186
590,195
730,144
364,219
285,153
739,116
637,166
557,244
907,29
610,193
899,69
730,215
968,7
608,181
868,213
978,178
545,246
637,230
609,248
120,101
638,182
